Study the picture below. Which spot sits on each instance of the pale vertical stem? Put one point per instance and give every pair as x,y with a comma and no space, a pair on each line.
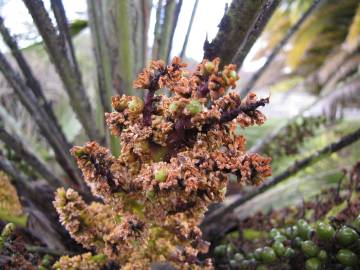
126,49
32,83
65,67
157,30
183,50
41,119
166,29
174,24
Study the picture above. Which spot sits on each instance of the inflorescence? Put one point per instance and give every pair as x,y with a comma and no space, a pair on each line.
176,154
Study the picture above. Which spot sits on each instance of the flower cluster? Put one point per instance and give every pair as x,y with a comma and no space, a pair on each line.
176,154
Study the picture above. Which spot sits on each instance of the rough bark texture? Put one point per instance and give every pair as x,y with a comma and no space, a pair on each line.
278,47
254,32
65,65
233,29
292,170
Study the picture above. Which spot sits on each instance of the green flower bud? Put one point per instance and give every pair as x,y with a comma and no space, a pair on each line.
346,257
346,236
136,105
268,255
150,195
161,175
8,230
234,75
209,67
279,248
173,107
289,252
309,248
325,232
313,264
79,152
194,106
322,255
99,258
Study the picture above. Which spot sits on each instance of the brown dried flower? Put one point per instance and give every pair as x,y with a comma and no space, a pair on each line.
176,154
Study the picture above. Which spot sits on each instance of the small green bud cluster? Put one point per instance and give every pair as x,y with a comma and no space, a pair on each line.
321,246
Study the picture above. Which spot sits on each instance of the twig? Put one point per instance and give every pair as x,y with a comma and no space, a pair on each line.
293,169
279,46
41,119
233,29
32,82
65,66
173,28
255,31
16,145
183,50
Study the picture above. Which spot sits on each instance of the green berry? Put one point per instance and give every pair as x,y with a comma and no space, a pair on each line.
220,251
356,223
346,236
294,231
346,257
233,263
268,255
279,248
194,106
274,232
313,264
257,253
309,248
230,249
304,229
161,175
289,252
238,257
325,232
280,238
322,255
297,242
